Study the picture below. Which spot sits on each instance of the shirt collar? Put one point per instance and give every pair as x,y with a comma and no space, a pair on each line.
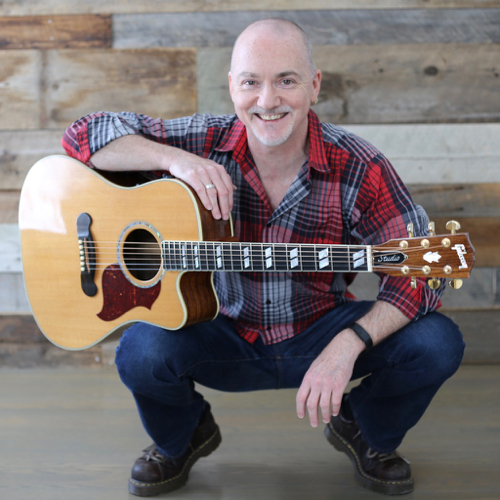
236,141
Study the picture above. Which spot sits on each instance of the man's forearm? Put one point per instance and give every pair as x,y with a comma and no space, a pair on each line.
382,320
133,152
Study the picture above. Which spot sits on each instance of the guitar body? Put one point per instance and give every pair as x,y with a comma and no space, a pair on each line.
74,308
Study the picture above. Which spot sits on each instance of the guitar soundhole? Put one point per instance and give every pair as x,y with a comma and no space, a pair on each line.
142,254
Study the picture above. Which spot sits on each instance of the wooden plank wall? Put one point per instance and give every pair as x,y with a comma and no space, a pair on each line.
420,79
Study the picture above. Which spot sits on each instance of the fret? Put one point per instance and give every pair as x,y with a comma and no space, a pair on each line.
227,256
165,255
257,257
280,257
309,259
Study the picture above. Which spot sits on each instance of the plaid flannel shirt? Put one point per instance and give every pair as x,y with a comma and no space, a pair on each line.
346,193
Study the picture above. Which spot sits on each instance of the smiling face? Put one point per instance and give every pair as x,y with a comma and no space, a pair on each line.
272,83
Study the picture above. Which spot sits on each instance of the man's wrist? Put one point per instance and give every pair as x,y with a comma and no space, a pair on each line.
363,335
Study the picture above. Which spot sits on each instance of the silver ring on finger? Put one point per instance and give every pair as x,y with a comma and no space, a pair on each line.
209,186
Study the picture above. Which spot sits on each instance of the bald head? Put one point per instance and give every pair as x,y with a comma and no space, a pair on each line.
279,29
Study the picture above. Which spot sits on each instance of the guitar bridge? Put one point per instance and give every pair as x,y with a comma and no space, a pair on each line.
87,254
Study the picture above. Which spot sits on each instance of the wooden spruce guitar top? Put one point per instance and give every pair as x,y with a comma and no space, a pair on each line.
97,255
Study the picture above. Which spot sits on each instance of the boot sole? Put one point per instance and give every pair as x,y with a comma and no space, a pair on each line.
369,482
142,489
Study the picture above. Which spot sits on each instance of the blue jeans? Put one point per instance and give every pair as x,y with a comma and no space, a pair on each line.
160,368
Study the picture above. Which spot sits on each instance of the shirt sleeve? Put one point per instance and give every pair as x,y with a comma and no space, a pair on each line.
382,211
92,132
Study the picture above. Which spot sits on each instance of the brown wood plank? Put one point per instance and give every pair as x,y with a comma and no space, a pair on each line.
35,7
55,32
458,200
484,234
157,82
384,84
325,27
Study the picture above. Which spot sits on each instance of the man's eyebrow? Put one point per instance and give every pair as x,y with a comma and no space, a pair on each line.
249,74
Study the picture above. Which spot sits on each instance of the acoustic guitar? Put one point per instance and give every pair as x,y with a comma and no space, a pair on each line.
98,255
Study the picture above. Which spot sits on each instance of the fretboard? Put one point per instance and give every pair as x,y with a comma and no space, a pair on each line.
264,257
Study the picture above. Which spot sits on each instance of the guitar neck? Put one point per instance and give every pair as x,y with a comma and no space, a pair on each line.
264,257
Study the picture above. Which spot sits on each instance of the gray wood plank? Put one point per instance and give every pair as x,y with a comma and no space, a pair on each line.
325,27
48,7
20,91
157,82
385,84
21,149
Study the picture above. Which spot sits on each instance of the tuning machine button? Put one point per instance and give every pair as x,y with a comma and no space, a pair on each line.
456,283
434,283
453,226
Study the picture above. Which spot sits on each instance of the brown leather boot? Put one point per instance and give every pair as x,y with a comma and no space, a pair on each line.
153,474
388,473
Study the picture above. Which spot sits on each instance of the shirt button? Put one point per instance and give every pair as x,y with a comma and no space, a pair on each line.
268,301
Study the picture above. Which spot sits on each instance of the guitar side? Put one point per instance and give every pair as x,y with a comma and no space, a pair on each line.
57,190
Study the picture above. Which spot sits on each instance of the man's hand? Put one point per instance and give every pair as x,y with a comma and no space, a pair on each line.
325,381
209,179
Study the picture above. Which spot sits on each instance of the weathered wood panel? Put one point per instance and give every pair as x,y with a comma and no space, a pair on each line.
10,248
13,299
439,153
20,92
19,150
481,334
32,7
55,32
22,345
157,82
325,27
426,83
9,206
458,200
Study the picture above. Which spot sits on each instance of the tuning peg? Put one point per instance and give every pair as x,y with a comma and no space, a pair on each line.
434,283
413,283
456,283
453,226
410,229
432,229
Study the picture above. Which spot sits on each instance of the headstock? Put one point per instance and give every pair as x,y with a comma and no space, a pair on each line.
435,256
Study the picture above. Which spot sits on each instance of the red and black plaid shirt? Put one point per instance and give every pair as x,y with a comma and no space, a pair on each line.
346,193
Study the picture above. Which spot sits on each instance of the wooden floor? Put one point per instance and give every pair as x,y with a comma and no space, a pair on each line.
74,434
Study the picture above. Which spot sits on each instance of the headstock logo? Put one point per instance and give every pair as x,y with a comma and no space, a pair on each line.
460,249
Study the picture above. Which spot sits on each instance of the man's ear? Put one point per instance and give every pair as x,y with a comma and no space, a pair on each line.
316,83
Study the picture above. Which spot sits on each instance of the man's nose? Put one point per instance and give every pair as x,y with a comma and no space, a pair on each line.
268,97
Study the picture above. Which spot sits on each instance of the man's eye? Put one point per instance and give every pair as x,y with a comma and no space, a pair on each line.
287,82
249,82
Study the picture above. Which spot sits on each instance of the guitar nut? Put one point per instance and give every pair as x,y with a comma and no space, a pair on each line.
426,270
405,270
446,242
425,243
447,269
403,245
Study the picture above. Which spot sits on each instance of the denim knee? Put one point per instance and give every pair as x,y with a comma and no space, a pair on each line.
139,356
439,342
